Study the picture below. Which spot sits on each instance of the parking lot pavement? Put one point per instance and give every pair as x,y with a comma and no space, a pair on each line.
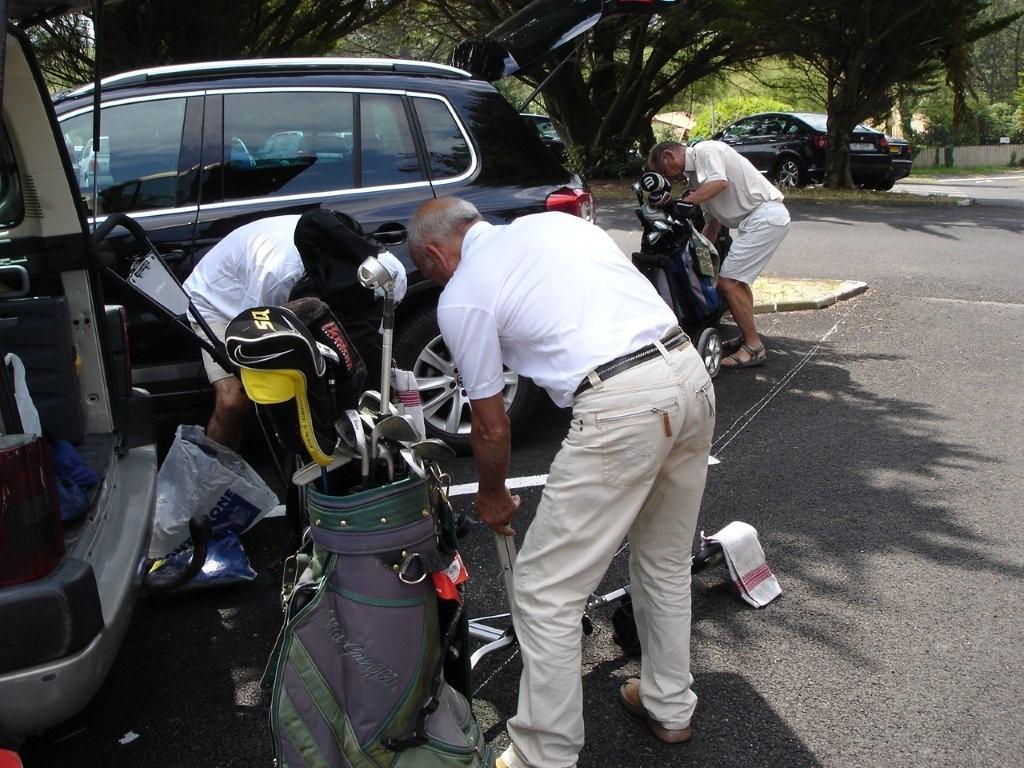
876,453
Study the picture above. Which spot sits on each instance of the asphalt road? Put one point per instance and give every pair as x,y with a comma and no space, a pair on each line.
878,455
1002,189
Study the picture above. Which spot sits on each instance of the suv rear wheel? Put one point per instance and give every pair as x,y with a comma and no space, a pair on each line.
421,349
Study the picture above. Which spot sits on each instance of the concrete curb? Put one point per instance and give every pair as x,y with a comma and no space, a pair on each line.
800,294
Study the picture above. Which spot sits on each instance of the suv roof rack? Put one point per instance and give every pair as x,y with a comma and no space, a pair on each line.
257,66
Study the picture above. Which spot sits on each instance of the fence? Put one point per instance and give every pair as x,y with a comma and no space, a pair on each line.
967,157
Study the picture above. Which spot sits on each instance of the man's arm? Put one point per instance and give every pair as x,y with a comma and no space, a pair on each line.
491,442
711,229
706,191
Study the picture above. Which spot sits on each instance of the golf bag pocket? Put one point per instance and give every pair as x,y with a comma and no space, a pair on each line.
358,678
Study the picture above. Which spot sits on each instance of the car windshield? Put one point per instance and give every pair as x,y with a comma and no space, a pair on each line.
820,123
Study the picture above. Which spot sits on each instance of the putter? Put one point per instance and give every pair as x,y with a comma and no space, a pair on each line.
372,275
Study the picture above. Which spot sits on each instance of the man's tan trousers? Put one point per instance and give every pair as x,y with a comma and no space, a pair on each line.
633,464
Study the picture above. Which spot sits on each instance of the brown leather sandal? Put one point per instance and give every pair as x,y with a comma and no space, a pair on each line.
757,356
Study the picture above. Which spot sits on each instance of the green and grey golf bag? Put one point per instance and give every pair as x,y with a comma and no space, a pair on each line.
359,671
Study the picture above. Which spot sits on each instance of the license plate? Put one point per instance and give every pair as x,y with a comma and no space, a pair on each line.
895,150
861,146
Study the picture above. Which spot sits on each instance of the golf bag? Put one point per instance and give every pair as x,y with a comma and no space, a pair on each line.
360,667
682,264
332,245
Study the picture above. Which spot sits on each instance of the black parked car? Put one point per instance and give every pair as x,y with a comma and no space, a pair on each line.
195,151
790,148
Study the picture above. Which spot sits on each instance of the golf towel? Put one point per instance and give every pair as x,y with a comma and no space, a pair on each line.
407,391
747,565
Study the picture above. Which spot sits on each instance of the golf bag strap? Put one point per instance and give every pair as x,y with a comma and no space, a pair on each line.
417,735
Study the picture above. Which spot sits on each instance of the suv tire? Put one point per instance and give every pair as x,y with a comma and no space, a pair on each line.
419,348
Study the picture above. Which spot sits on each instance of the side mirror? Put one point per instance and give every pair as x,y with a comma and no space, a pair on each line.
718,136
390,234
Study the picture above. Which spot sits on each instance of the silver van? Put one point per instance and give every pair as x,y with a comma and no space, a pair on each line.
66,591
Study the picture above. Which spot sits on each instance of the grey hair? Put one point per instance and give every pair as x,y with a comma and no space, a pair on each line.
440,220
659,149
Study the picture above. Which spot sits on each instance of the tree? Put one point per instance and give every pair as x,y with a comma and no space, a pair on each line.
617,77
147,33
998,59
864,51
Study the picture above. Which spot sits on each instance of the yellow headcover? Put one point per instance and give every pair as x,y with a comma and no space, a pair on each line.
280,386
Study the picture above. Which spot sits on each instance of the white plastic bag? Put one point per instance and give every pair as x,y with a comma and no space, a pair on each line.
26,408
200,476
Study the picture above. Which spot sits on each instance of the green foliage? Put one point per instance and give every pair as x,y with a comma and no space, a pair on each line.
623,161
716,116
985,123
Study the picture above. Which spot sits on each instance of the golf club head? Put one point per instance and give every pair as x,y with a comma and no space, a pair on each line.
360,438
372,275
345,430
413,462
311,472
399,429
433,449
370,401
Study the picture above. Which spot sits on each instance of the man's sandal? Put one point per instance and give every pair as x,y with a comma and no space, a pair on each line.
732,345
756,356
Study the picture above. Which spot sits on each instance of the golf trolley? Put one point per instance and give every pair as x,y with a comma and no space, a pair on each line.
681,263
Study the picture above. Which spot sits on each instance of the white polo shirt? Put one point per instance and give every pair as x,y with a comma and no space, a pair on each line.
254,265
552,297
748,188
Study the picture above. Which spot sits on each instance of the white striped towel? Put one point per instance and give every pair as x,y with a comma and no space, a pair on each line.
747,565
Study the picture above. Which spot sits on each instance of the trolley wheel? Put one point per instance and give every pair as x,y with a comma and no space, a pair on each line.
709,347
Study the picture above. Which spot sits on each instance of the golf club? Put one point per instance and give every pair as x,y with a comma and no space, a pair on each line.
310,472
360,438
432,449
400,429
372,275
413,462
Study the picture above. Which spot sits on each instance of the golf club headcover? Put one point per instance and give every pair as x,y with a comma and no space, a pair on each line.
278,361
350,374
657,187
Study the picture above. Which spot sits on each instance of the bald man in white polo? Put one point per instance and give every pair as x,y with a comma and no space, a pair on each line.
552,296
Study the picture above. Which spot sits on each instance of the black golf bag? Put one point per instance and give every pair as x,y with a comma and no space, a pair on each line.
682,264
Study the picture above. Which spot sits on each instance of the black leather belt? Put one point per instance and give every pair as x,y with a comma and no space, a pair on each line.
672,340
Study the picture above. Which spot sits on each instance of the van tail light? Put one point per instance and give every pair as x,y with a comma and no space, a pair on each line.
820,142
883,142
578,202
9,759
31,535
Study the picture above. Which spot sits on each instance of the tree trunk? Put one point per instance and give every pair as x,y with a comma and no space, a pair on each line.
837,165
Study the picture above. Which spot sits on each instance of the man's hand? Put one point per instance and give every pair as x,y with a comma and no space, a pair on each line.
497,510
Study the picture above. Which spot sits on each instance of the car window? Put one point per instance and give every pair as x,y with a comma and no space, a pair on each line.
792,127
743,128
137,165
12,205
771,126
447,151
287,143
388,152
